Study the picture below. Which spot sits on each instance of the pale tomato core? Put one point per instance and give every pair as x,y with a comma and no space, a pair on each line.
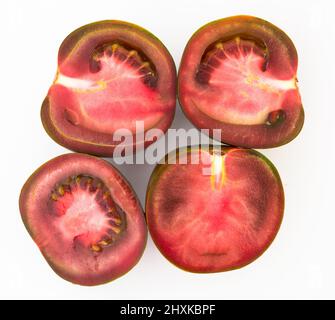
83,218
113,98
239,90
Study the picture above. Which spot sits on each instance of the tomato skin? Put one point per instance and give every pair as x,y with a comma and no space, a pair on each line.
219,222
71,258
66,112
281,63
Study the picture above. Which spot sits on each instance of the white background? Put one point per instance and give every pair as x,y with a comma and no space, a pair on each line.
301,261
